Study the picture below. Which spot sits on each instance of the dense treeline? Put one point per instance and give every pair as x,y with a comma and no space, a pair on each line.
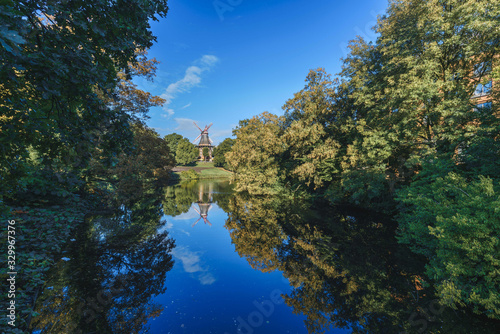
67,96
72,134
404,129
220,151
181,149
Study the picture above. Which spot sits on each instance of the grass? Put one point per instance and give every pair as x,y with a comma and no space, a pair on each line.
206,170
205,164
214,173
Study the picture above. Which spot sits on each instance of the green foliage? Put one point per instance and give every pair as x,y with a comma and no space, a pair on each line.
186,152
172,140
315,132
220,151
204,151
71,132
345,267
145,167
189,174
400,125
455,223
60,66
255,155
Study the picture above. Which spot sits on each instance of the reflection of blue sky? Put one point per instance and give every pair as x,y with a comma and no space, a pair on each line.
210,285
191,263
191,214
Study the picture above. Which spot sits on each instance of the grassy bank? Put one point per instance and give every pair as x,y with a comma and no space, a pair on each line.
203,170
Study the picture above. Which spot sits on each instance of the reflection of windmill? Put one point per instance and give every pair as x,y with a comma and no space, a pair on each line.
204,206
203,212
205,141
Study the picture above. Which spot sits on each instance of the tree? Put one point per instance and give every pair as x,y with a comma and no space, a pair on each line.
205,152
186,152
314,132
411,92
424,92
220,151
60,62
455,223
71,117
402,126
173,140
146,167
255,155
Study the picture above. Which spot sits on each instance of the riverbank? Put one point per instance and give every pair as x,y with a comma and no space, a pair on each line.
203,170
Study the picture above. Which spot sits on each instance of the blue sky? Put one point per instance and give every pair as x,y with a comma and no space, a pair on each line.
226,60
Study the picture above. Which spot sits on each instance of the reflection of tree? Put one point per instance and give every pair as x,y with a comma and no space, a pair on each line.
117,265
179,198
346,268
255,231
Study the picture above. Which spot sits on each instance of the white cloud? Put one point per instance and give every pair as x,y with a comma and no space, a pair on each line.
192,78
189,216
190,260
209,60
169,112
185,124
219,136
166,227
187,128
187,106
191,264
206,279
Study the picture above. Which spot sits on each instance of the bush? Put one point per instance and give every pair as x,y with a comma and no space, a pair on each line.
189,174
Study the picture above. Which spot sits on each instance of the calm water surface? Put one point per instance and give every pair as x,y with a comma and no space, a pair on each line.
212,288
199,258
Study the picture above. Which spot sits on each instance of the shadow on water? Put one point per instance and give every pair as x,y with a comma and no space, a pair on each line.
113,269
345,266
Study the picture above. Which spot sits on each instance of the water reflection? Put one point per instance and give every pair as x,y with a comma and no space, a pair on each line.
204,202
116,265
345,266
343,269
200,195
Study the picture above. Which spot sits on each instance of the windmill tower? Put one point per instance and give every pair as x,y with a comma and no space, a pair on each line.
205,141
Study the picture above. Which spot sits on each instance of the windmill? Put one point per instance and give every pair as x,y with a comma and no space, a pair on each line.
205,141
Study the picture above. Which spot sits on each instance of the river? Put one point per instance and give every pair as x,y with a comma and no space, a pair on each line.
199,258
